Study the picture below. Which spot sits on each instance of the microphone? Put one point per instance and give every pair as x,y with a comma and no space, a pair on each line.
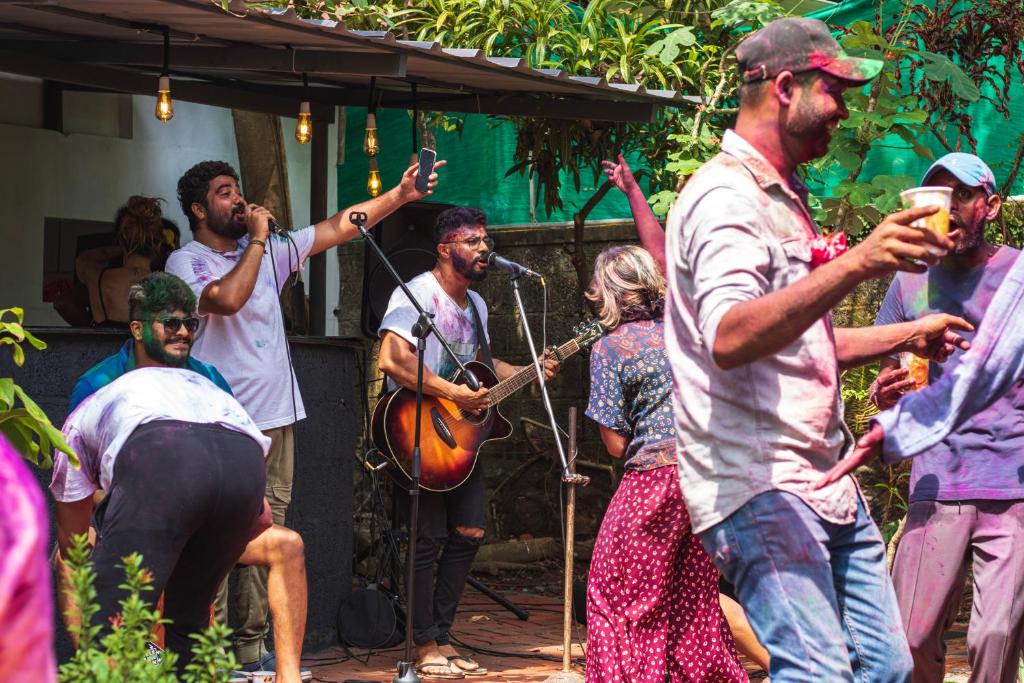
276,228
516,269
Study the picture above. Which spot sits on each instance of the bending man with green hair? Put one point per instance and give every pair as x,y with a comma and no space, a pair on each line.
182,466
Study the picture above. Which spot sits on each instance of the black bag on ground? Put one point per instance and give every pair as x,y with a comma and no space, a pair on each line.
371,618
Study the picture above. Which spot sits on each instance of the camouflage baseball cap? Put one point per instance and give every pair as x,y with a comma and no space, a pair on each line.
798,45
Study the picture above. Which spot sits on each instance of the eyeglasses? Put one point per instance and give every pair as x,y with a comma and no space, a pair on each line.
474,242
172,325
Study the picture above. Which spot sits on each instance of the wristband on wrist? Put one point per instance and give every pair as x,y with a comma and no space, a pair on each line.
259,242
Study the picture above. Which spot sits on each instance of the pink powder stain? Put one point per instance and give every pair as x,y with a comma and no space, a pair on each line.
26,609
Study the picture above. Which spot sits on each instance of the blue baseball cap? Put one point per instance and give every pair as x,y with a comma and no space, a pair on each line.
968,169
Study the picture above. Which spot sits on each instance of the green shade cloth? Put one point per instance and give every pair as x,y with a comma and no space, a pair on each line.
997,137
477,162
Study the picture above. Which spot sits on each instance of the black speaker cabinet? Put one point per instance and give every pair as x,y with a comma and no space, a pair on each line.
407,238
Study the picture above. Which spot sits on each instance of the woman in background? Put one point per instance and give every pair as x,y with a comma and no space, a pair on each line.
652,595
142,240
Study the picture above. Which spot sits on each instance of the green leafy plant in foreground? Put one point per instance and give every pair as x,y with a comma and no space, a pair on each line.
121,656
22,421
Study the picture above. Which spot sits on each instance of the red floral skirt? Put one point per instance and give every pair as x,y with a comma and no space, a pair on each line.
652,594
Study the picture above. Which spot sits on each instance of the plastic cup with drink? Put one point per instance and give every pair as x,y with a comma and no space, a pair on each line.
917,369
941,197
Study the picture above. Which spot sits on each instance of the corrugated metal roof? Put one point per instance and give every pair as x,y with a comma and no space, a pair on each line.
266,51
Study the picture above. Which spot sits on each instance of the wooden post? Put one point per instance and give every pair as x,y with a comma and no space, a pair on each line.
570,531
571,480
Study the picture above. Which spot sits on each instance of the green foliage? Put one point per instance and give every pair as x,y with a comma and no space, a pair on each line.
22,421
1009,228
855,389
122,655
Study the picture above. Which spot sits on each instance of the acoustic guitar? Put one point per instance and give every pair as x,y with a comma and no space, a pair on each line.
450,438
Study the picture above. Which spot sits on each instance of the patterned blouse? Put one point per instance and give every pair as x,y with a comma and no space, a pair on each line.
631,392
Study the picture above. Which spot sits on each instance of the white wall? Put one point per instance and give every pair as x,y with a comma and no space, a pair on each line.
44,173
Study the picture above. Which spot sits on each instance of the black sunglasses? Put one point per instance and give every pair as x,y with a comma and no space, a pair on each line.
172,325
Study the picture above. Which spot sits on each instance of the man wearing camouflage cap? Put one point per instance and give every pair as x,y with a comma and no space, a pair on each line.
756,365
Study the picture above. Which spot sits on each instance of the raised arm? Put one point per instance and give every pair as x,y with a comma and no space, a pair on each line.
648,229
338,229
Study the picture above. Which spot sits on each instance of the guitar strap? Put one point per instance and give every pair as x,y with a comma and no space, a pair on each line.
481,338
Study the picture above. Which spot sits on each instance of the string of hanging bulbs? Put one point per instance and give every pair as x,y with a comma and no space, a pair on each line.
304,125
164,110
371,143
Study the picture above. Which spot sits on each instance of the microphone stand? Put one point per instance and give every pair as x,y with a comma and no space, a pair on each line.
424,327
567,476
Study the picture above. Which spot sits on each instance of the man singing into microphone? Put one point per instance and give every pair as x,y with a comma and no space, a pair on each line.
237,269
451,525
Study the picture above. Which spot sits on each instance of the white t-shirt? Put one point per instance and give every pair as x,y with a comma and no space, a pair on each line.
100,425
249,347
453,322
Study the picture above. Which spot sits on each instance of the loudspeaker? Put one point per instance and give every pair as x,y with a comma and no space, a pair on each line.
407,239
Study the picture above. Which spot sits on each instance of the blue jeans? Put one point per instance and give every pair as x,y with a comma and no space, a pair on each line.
816,593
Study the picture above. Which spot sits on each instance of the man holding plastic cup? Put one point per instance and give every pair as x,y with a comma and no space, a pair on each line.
966,496
756,365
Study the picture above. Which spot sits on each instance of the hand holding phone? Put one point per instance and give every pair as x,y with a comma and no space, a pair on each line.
427,157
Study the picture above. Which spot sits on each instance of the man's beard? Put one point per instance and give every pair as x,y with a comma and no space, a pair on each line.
969,238
467,268
158,352
811,128
227,227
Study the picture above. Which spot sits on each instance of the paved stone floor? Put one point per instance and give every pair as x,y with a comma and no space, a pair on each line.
523,651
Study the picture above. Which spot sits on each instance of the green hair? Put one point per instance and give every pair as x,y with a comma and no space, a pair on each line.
159,292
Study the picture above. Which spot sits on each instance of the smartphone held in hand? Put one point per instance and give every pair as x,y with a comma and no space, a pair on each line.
427,157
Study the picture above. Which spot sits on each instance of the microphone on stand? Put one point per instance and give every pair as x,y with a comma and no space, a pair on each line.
516,269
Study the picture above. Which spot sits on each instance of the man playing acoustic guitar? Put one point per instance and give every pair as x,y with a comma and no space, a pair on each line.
450,523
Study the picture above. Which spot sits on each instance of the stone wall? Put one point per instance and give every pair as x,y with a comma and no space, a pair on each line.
524,497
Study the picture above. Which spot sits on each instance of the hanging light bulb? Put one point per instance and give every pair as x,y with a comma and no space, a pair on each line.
164,104
371,144
304,126
373,182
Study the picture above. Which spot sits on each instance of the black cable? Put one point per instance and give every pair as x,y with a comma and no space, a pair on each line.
284,327
502,653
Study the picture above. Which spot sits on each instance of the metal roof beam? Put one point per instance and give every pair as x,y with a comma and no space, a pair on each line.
277,101
313,62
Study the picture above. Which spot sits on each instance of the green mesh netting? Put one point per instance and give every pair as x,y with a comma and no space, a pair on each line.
475,175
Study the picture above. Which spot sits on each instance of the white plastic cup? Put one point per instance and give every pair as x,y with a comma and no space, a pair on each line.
263,676
930,196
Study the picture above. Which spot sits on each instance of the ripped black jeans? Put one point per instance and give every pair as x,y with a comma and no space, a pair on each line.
443,555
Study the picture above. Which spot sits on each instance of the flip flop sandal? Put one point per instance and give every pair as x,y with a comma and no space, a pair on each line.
422,671
475,671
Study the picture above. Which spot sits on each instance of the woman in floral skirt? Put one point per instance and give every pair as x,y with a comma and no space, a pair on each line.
652,596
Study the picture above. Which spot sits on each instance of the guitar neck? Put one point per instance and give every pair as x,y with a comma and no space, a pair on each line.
510,385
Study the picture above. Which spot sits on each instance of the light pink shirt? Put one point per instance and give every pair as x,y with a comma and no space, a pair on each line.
737,232
26,609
